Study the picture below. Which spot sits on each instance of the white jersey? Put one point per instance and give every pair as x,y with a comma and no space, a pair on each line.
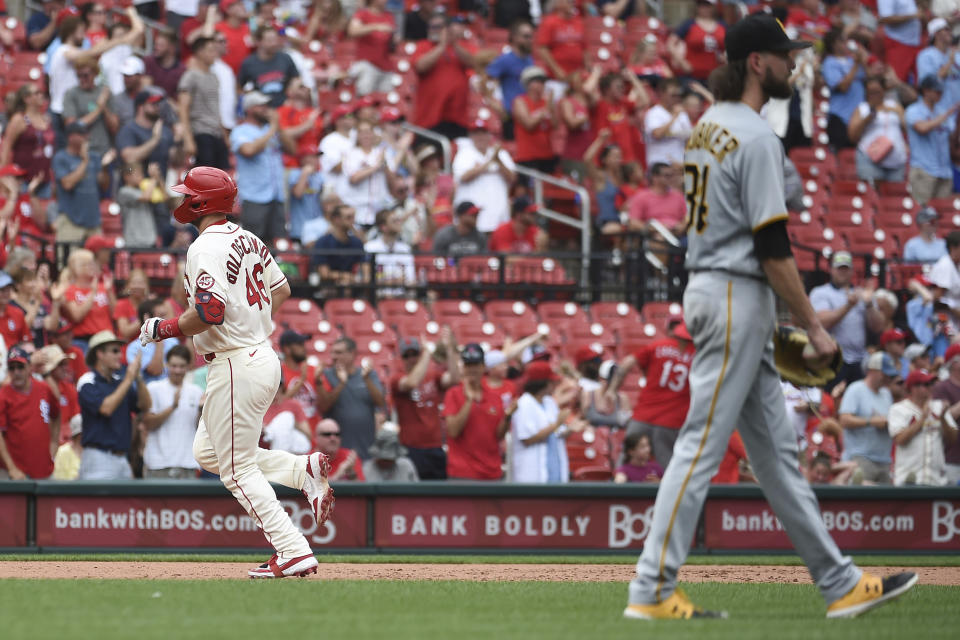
230,264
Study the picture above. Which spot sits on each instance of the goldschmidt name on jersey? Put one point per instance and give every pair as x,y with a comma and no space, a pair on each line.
242,246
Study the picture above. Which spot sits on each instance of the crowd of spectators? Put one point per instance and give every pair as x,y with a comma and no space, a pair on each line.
305,103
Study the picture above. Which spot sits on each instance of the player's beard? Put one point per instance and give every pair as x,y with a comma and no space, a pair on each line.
298,357
774,87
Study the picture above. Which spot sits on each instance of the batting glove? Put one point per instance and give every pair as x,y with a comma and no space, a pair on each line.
149,332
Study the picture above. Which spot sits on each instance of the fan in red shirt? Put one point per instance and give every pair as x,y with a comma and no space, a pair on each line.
29,422
703,36
374,29
13,324
560,40
62,336
808,20
662,406
20,209
729,470
521,234
475,423
496,378
300,120
300,377
59,377
89,304
535,121
237,32
441,63
126,312
417,396
345,464
615,110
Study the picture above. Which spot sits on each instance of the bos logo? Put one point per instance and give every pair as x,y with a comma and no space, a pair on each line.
302,518
625,526
946,521
205,281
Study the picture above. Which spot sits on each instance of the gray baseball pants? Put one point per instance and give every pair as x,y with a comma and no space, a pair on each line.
734,385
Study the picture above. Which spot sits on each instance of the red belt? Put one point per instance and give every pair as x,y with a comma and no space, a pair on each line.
209,356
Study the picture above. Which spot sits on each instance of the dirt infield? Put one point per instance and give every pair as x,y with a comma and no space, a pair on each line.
949,576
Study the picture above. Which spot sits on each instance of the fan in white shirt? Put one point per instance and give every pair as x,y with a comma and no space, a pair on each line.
667,126
483,173
367,176
921,429
394,259
172,422
334,146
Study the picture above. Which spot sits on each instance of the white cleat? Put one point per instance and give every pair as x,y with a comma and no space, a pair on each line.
277,567
316,489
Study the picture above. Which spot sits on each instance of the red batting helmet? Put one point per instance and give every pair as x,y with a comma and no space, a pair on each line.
207,190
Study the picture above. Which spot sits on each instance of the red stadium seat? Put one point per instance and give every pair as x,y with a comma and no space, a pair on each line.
436,270
299,314
376,345
456,311
592,473
658,313
629,339
945,206
537,271
406,317
157,264
893,189
478,269
487,333
614,315
345,311
554,313
516,318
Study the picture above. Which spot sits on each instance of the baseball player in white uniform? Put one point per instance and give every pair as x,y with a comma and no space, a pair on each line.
739,258
233,287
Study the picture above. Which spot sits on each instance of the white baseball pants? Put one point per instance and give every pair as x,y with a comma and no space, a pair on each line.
241,385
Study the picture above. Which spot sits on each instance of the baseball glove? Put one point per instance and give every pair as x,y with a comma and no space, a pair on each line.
788,345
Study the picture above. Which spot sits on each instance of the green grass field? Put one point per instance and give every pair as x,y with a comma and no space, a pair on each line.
861,560
107,609
402,610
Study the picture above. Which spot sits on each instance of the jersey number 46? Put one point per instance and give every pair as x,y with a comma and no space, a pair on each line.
256,291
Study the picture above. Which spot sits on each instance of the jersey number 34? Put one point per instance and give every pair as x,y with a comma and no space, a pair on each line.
697,207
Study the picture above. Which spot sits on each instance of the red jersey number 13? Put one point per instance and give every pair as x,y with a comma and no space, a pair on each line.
674,376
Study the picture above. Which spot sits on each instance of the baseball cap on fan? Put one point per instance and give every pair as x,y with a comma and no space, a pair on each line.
759,32
880,361
253,99
132,66
472,354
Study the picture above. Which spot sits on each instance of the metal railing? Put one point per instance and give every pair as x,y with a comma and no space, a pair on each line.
584,224
443,141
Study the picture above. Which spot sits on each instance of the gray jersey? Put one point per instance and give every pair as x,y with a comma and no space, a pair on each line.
733,178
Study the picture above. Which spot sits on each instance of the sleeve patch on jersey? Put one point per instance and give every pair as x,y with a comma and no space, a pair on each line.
205,281
209,307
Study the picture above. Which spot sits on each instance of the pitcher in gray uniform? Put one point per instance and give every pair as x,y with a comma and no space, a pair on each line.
739,260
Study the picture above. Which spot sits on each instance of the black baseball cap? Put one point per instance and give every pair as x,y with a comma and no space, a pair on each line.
290,336
472,354
759,32
408,345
